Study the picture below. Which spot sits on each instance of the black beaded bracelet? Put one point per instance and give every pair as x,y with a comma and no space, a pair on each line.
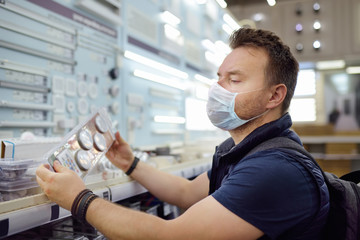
133,166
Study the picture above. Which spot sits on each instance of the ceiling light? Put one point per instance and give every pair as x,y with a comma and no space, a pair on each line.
299,47
353,70
258,17
271,2
299,27
316,44
317,25
316,7
327,65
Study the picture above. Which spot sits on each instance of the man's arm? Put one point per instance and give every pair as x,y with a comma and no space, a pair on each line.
169,188
207,220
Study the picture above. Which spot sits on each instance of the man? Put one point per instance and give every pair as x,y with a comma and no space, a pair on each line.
266,195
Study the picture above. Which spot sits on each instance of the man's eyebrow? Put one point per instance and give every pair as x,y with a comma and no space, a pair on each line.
234,72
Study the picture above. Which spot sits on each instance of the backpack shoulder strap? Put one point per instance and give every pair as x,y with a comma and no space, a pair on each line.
281,142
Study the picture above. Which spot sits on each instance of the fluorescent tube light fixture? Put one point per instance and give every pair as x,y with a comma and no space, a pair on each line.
227,29
230,21
353,70
209,45
156,65
328,65
159,79
170,18
222,3
169,119
173,34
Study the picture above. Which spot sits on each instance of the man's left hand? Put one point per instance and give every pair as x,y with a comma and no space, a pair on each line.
61,186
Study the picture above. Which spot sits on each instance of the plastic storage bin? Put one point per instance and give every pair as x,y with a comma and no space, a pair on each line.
11,170
10,190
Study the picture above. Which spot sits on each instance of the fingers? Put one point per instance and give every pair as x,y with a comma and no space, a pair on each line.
120,140
43,172
58,167
117,136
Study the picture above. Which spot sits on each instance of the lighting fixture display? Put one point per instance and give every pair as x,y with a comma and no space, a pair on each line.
156,65
169,119
222,3
170,18
159,79
231,22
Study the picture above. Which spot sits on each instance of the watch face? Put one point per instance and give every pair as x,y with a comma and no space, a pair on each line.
100,125
99,142
83,160
85,139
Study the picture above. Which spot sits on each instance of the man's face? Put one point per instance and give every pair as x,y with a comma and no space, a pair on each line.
243,70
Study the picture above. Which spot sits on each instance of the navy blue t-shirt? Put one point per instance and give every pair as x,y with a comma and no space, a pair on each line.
273,192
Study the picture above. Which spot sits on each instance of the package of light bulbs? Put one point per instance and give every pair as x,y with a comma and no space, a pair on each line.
85,145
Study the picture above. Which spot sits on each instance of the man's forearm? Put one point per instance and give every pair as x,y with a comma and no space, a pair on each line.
168,188
118,222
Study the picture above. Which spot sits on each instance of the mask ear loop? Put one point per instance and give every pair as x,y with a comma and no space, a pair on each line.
260,115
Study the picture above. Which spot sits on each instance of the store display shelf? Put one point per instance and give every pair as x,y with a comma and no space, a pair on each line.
26,213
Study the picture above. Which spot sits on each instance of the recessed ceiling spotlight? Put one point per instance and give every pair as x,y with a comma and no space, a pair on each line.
316,44
316,7
299,27
299,47
317,25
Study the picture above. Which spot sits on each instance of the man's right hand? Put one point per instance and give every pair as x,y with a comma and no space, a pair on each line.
120,153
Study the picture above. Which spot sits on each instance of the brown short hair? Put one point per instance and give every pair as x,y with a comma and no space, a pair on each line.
282,66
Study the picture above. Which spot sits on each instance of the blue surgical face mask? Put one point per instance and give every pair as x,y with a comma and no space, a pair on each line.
221,108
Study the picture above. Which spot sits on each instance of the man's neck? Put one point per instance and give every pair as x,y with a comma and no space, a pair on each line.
241,132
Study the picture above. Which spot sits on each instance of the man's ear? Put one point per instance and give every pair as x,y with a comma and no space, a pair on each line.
278,94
